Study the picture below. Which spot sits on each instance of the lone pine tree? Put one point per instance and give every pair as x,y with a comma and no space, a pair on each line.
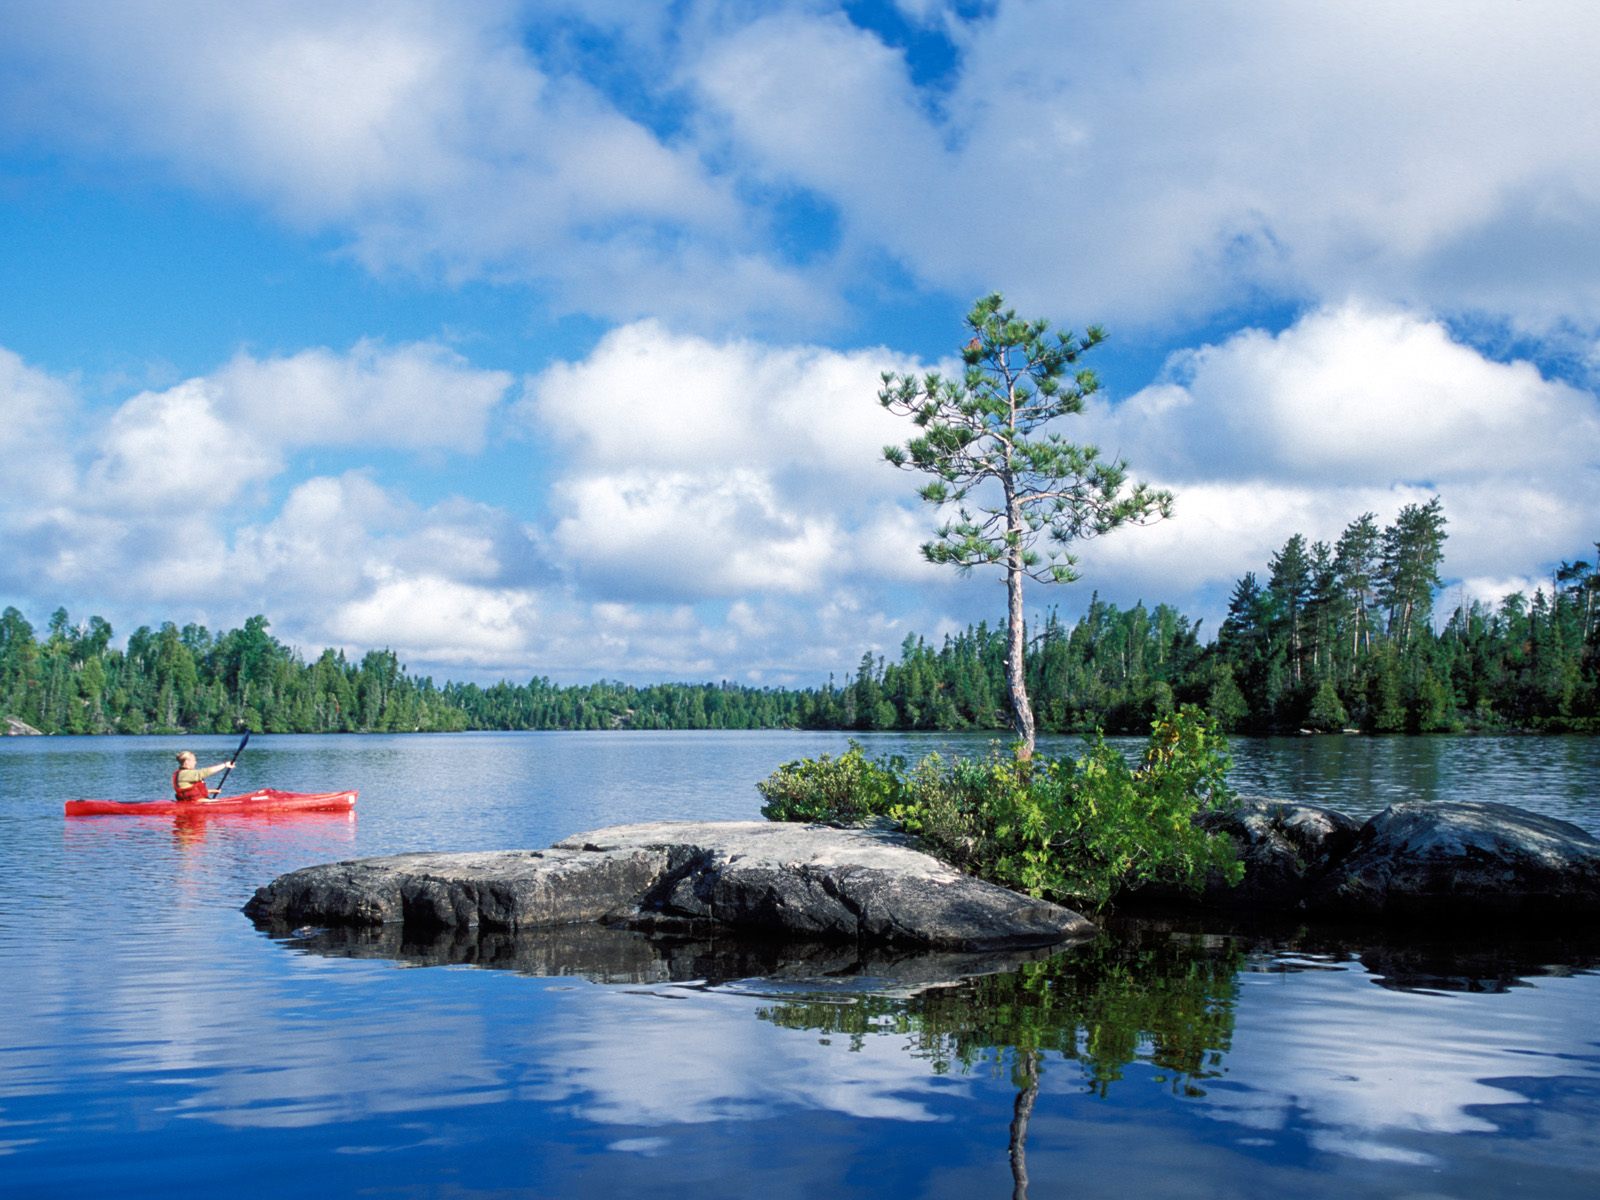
1010,482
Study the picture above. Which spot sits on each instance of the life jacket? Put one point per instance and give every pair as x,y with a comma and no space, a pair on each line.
195,791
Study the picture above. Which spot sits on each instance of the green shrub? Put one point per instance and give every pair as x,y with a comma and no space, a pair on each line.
1077,831
839,790
1327,712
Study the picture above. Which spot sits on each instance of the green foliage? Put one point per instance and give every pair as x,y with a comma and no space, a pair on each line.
1225,703
986,426
982,439
172,680
1077,831
839,790
1281,659
1327,713
1159,999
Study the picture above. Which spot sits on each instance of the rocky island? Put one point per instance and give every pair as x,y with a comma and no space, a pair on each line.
1466,862
803,882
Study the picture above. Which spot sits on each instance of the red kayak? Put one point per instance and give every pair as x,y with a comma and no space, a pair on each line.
266,800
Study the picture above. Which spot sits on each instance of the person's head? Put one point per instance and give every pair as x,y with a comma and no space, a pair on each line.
186,759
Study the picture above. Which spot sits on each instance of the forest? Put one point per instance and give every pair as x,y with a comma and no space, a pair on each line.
1326,638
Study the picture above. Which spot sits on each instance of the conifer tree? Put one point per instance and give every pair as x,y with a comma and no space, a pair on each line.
1412,549
983,439
1355,559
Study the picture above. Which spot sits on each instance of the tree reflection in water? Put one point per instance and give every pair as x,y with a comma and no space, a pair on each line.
1162,999
1160,993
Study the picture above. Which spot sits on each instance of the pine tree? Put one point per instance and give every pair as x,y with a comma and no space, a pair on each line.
1409,558
1355,562
987,432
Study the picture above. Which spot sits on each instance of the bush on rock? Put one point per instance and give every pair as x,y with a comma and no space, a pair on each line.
1077,831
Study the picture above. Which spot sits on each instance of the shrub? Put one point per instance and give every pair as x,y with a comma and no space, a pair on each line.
839,790
1077,831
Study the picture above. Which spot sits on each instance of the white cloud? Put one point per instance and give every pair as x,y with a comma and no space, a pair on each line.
701,468
1361,396
1134,169
721,508
1092,161
1350,410
35,412
414,396
436,619
172,451
171,503
674,535
737,470
428,134
647,397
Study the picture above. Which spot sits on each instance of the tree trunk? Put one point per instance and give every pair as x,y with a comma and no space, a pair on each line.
1016,676
1022,1113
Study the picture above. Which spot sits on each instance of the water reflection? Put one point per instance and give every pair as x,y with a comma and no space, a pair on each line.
1162,1000
1156,997
616,956
1367,1049
152,1030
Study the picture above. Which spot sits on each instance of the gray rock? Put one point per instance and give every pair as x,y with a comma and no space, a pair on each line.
869,886
1469,860
1286,849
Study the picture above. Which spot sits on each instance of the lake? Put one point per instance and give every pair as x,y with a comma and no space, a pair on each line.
155,1043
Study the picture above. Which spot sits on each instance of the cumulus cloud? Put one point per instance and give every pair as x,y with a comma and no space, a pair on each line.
198,502
415,396
35,411
721,508
1353,409
672,536
1124,162
441,620
1130,164
429,135
172,451
171,501
647,396
1357,395
1137,166
712,469
699,470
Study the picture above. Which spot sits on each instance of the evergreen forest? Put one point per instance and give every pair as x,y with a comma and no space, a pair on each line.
1324,638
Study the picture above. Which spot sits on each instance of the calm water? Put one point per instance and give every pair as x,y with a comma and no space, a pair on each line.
155,1043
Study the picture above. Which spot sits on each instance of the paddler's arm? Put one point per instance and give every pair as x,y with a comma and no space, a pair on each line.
221,766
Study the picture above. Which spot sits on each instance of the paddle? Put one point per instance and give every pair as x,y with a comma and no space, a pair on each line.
234,761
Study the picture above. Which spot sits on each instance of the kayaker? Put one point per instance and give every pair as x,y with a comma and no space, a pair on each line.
188,781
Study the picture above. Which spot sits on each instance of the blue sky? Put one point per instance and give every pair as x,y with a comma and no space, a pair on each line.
544,339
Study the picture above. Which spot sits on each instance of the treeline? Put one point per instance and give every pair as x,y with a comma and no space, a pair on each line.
1344,636
1340,636
173,680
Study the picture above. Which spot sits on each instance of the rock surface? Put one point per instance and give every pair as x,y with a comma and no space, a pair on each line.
783,880
1285,848
1422,860
1413,861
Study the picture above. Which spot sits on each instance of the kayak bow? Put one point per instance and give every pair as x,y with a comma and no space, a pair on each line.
263,800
